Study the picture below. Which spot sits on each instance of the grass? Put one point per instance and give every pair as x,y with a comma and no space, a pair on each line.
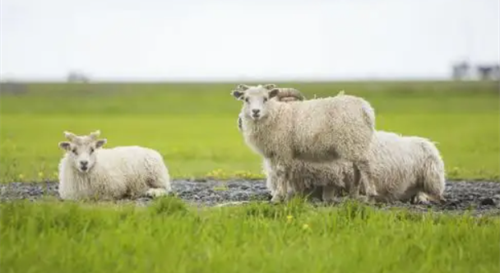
170,237
194,125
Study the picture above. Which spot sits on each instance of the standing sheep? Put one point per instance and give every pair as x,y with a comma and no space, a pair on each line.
403,168
284,95
316,130
89,171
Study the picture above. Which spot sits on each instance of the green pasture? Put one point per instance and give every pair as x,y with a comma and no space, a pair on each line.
169,237
194,125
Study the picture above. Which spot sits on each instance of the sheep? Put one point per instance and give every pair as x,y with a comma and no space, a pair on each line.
311,177
404,168
329,179
88,171
317,130
284,95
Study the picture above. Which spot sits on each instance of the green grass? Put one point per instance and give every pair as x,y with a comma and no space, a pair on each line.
169,237
194,125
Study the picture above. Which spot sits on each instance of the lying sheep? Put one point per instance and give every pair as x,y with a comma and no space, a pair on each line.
317,130
404,168
89,171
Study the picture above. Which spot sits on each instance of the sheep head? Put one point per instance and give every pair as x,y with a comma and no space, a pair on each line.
256,99
81,149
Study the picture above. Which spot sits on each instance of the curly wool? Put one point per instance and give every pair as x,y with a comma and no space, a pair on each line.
403,167
307,179
285,94
119,172
316,130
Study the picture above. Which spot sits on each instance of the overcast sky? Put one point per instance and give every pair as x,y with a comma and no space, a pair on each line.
236,40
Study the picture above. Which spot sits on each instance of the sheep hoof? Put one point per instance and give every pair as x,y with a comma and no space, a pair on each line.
421,199
154,193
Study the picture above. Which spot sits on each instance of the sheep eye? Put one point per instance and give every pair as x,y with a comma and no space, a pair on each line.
247,100
91,150
74,151
265,99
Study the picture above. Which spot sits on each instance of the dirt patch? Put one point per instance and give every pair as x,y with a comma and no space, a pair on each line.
479,197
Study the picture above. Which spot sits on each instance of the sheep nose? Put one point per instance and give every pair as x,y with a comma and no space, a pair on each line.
255,111
84,163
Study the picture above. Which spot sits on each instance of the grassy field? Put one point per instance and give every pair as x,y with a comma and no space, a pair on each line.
168,237
194,127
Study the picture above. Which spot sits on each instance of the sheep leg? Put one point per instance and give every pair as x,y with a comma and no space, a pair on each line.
154,193
281,186
329,193
280,191
313,193
426,199
363,172
354,187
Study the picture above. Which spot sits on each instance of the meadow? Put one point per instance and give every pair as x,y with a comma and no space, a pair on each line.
194,127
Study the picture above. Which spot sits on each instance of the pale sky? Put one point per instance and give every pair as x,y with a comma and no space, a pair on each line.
244,40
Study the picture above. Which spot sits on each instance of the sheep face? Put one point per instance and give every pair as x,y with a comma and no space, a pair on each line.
81,150
255,99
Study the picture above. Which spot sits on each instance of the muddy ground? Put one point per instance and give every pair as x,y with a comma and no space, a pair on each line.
481,197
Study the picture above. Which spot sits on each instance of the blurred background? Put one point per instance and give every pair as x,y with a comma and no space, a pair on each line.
222,40
159,74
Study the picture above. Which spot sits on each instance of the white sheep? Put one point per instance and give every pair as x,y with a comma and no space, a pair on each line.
317,130
404,168
397,181
88,171
285,94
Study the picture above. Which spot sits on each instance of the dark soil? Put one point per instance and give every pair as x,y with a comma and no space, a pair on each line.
479,197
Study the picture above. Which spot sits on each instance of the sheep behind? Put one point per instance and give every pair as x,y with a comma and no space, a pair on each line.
404,168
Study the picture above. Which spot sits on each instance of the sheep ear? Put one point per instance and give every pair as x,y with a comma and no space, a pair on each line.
242,87
237,94
100,143
64,145
273,93
95,135
70,136
270,86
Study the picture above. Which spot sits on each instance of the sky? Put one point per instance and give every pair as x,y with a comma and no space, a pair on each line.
163,40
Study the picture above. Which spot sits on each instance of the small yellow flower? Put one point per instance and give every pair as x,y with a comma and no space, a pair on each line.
305,226
40,174
289,217
21,176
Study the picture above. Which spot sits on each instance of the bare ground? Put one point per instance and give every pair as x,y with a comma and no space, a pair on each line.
480,197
